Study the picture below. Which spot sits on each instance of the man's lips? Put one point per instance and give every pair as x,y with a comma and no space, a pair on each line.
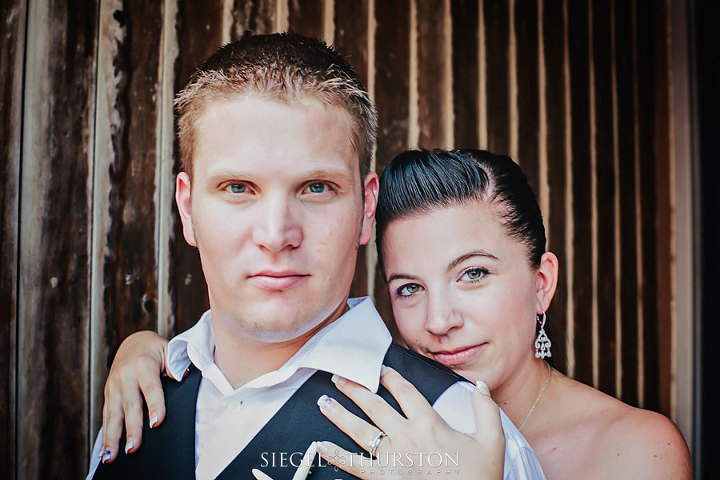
457,356
277,280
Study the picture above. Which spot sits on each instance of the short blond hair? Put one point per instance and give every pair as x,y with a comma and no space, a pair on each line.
282,66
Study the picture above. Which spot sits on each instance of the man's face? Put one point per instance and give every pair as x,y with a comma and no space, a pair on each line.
277,211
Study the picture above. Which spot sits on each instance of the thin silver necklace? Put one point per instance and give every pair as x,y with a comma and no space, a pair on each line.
542,390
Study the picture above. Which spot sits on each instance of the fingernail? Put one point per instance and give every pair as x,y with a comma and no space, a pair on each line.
153,420
322,448
482,386
129,444
324,402
383,370
106,456
259,475
338,380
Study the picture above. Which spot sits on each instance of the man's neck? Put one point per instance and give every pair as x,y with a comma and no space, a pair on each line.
242,359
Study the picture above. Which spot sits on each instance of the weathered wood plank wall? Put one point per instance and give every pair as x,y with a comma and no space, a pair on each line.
12,61
53,408
577,91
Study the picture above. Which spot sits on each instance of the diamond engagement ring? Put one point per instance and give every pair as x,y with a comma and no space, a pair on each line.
376,443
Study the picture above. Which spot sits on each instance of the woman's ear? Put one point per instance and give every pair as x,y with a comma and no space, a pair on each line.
547,278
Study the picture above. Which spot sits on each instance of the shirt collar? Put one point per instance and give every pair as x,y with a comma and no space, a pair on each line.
196,345
353,346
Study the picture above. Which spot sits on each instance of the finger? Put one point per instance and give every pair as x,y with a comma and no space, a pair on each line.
356,428
352,463
260,475
410,399
487,415
379,411
112,424
304,469
154,397
132,407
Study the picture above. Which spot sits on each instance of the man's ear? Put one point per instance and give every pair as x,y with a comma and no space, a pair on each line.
547,278
370,187
182,198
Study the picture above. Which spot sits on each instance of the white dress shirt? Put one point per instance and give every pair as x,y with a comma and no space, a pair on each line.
353,347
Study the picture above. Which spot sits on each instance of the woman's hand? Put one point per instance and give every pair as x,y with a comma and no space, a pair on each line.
419,433
136,369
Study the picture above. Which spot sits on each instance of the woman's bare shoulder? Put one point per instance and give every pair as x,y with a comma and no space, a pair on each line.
649,443
629,442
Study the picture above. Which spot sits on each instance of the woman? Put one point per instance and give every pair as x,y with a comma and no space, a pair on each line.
462,247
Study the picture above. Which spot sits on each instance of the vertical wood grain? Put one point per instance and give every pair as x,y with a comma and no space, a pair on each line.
351,35
351,38
199,34
648,202
581,188
497,40
528,102
253,16
627,222
555,87
306,17
664,206
392,64
465,72
605,195
125,193
430,74
55,228
12,63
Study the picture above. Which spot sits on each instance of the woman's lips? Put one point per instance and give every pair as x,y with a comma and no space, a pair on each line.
277,280
457,357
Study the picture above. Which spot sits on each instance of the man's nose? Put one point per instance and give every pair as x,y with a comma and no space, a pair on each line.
441,316
277,226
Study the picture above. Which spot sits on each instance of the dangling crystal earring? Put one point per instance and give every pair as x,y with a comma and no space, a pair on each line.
542,343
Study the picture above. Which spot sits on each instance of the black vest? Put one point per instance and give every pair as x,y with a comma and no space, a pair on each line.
168,451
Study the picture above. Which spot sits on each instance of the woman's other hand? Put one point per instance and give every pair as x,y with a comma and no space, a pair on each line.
421,431
136,370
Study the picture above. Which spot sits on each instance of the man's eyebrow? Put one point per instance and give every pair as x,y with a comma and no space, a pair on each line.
475,253
329,173
339,174
228,173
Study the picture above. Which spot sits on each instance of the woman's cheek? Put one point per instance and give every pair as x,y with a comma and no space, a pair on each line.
406,329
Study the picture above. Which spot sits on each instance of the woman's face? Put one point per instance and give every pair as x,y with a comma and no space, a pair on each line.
463,292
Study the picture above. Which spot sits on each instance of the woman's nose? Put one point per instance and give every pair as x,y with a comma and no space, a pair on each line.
442,317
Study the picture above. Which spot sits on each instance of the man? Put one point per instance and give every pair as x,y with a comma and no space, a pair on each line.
276,134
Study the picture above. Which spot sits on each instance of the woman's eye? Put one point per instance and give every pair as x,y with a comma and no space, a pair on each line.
409,289
317,187
237,188
472,274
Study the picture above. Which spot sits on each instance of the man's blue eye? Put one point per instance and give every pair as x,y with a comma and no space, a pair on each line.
238,188
317,187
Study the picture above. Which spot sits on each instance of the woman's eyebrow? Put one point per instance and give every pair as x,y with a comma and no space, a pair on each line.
403,276
476,253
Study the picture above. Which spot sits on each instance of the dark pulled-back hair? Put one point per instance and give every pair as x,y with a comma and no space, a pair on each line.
419,181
